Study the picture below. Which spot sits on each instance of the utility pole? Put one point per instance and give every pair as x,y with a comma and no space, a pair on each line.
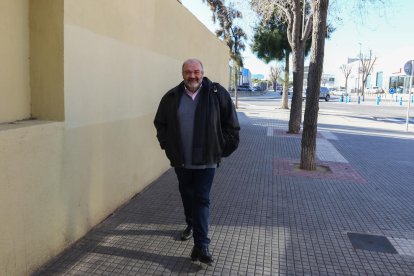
409,95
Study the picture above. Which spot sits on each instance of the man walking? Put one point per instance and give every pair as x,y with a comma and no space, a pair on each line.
196,125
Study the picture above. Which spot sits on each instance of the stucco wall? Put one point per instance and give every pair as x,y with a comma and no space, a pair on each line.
59,179
14,60
46,59
119,59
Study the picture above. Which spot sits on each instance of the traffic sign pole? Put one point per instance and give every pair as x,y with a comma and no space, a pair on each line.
409,94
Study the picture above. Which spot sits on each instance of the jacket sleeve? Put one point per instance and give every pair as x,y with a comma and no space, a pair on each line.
160,123
229,123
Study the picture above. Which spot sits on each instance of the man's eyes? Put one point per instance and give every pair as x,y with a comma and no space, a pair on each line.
195,72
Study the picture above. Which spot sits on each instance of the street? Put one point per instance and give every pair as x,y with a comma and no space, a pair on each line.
388,114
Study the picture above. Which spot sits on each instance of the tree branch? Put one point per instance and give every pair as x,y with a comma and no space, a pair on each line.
308,28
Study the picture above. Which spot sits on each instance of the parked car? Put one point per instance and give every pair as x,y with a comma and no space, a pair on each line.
337,91
375,90
244,88
323,94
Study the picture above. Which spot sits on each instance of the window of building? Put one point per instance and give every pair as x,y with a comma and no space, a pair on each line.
379,79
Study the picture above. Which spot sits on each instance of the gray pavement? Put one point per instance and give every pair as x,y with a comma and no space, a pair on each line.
267,216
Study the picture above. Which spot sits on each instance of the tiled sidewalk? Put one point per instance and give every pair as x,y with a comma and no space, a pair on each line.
264,222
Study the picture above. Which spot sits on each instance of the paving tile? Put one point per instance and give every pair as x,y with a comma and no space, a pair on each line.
266,217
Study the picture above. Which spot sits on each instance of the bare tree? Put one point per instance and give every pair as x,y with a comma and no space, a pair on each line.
275,75
367,64
297,14
346,69
300,21
284,80
308,152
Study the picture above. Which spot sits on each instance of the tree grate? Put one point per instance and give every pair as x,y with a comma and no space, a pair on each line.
371,243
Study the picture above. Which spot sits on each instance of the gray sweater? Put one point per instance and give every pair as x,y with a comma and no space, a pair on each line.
186,112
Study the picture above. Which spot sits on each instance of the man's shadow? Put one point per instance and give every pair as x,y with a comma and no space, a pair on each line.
171,263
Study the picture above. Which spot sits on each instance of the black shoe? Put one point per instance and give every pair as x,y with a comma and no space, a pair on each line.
201,254
187,233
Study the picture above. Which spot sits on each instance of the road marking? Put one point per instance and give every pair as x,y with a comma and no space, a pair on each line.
270,131
325,151
328,135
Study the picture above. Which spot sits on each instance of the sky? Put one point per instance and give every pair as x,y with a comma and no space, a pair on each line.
388,32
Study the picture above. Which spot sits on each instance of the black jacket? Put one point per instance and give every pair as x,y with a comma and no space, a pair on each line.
216,127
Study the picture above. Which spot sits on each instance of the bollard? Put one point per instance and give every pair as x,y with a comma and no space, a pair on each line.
378,100
341,99
359,99
412,99
400,100
396,98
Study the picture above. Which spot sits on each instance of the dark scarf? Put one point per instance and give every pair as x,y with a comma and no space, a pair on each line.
202,133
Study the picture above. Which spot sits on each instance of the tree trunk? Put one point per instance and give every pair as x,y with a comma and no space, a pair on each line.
363,89
285,104
307,161
346,85
296,107
298,51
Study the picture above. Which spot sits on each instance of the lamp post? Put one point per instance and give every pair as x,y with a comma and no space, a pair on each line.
359,70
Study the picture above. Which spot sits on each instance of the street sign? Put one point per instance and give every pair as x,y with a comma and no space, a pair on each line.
408,67
392,90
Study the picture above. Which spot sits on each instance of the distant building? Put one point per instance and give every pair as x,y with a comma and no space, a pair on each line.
258,76
386,73
327,80
350,60
245,77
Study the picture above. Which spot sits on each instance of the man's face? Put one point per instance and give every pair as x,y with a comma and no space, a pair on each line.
192,75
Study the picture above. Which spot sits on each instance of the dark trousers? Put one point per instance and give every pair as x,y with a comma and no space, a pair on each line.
195,186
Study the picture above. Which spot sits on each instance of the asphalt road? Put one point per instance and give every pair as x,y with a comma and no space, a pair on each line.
387,110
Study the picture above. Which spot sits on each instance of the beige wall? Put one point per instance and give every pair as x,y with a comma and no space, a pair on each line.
46,59
14,60
59,179
122,59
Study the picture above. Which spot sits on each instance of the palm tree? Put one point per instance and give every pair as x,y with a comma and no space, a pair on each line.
298,17
231,34
270,43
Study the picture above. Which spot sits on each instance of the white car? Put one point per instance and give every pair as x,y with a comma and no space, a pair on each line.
376,90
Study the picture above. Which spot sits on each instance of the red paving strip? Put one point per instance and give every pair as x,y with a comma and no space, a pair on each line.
283,133
340,171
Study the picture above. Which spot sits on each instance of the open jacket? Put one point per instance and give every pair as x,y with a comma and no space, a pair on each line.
216,126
